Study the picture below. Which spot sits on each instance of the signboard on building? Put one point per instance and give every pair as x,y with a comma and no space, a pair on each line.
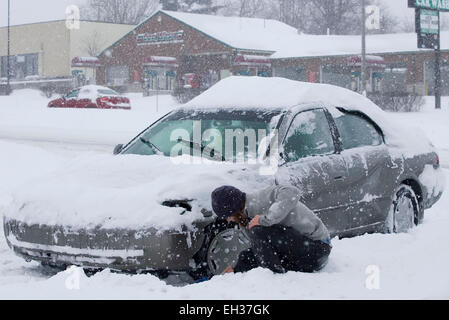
441,5
427,28
160,37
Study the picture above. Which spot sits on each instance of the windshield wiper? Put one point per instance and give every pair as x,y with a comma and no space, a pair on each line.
151,145
216,155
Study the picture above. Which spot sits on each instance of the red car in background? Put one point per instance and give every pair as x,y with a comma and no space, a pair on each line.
92,97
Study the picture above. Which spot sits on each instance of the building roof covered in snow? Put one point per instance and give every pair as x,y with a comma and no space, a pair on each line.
284,41
237,32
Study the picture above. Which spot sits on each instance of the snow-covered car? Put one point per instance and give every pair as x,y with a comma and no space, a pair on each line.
92,97
148,208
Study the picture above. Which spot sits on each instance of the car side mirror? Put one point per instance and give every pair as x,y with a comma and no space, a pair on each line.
118,148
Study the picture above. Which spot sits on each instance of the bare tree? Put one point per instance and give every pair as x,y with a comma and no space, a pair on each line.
245,8
330,16
92,44
119,11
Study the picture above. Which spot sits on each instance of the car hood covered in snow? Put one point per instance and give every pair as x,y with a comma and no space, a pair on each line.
125,192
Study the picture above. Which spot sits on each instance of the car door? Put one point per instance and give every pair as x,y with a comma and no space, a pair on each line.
312,164
85,97
372,174
71,100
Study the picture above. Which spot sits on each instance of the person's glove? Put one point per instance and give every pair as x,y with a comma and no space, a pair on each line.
228,270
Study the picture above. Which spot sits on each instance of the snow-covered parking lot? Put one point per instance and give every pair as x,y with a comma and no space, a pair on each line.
35,140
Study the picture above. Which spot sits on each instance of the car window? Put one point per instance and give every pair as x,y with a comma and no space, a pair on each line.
107,92
355,131
309,135
73,94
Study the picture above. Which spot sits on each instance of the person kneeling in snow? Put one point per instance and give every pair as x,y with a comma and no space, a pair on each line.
285,235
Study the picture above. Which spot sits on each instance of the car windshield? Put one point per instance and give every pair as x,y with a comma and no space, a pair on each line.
220,135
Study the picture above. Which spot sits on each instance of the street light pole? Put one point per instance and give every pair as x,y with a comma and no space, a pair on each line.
8,66
363,66
437,69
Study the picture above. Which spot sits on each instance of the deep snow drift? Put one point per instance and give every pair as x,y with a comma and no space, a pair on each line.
409,266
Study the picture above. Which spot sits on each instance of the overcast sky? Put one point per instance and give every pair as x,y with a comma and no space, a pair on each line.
28,11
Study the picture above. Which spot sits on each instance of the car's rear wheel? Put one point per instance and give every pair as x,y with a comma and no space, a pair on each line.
404,211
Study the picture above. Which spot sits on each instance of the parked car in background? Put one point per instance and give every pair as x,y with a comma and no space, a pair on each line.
92,97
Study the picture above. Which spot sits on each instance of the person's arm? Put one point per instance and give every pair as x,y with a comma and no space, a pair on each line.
286,200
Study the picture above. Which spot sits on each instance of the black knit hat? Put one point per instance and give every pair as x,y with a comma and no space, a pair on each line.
227,200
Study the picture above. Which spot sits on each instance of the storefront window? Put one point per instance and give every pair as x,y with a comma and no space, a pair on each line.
395,78
160,78
253,71
117,75
291,72
429,77
337,75
21,66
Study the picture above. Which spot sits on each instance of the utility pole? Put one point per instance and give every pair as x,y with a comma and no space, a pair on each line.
363,66
437,68
8,66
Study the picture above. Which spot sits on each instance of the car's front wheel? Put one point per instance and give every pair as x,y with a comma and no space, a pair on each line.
222,245
404,211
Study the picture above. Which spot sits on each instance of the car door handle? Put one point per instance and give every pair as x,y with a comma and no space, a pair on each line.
339,178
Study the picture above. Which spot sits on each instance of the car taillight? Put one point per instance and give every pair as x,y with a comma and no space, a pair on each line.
105,99
437,161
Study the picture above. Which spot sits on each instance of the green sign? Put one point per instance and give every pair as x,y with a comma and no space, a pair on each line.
441,5
429,21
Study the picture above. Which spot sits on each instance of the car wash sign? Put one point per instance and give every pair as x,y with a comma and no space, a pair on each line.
427,19
440,5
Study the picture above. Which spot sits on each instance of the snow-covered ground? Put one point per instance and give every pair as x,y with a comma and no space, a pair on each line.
35,140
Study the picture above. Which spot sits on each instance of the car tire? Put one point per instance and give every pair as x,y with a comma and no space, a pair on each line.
404,211
92,106
52,268
201,269
52,106
225,249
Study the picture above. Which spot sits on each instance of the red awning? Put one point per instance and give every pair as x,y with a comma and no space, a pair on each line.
371,61
85,62
250,60
161,61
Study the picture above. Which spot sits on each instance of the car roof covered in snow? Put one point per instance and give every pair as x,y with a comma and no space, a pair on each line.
274,93
260,92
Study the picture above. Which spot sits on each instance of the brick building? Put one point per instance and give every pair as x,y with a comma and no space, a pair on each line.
189,50
173,50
